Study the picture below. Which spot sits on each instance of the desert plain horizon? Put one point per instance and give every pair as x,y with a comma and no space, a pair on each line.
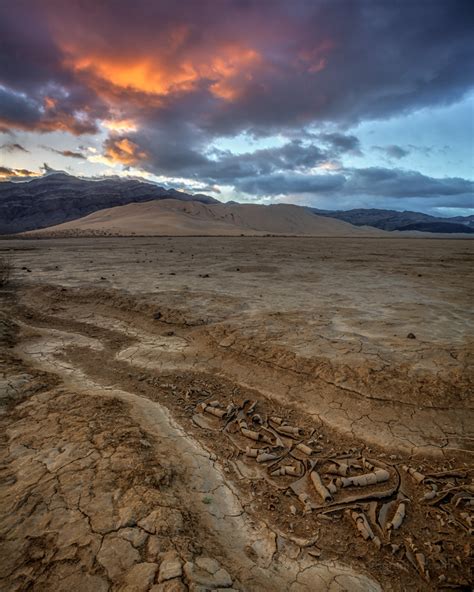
141,374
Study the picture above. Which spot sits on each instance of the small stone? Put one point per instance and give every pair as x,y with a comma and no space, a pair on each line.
171,567
201,577
169,586
153,547
140,577
166,521
136,536
411,336
208,564
117,556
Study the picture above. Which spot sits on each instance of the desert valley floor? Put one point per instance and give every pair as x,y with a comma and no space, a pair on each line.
240,413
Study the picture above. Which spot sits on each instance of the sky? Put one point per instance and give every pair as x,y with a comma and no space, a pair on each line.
336,104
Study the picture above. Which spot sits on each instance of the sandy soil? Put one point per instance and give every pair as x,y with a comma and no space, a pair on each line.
183,218
119,473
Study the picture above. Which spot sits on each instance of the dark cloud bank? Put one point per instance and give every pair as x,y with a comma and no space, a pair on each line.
186,73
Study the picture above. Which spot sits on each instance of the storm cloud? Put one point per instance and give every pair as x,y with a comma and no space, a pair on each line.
164,80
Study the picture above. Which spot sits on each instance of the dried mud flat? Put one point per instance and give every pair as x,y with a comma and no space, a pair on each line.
239,413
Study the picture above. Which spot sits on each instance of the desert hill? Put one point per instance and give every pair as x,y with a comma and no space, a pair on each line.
58,197
175,217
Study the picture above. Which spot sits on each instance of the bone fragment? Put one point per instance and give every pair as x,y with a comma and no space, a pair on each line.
250,434
418,477
304,449
266,456
338,469
378,476
320,487
215,411
290,431
398,517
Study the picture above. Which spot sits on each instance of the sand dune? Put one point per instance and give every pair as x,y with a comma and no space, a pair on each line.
173,217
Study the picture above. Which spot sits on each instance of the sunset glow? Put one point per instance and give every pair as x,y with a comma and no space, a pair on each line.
319,102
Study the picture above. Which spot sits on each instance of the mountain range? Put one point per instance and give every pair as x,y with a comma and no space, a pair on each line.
407,220
57,198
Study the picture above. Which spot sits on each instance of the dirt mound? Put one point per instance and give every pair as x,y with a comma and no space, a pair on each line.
173,217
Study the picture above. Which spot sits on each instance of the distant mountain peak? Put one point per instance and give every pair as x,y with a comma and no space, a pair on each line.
58,197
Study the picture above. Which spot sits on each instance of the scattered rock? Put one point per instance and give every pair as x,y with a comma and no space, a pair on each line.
165,521
411,336
117,556
153,548
171,567
139,578
202,577
208,564
136,536
169,586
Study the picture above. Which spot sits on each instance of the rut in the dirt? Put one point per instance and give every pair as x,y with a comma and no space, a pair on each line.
332,496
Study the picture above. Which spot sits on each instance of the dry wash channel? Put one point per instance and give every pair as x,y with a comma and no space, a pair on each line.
133,463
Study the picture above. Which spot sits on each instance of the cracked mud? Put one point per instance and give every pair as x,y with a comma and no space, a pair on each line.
200,436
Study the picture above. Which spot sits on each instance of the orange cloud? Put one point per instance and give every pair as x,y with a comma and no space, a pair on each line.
7,173
120,125
124,151
162,74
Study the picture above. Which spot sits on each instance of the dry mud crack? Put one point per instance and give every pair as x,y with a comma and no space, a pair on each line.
132,460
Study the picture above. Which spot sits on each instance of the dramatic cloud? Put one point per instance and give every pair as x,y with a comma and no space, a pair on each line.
13,147
124,151
392,151
8,173
405,184
163,81
231,65
67,153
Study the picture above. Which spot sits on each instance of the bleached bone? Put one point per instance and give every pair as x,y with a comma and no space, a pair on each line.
286,470
338,469
377,476
252,452
250,434
398,517
418,477
320,487
363,526
290,431
266,456
215,411
304,449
